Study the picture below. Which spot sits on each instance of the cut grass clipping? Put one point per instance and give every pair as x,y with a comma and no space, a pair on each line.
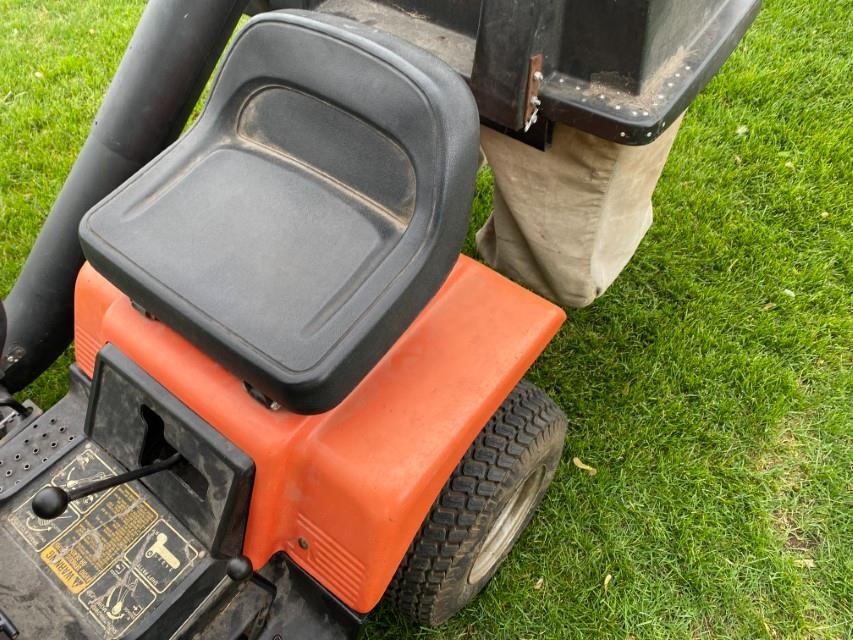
710,388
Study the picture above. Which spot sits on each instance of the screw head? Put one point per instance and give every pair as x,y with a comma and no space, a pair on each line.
15,354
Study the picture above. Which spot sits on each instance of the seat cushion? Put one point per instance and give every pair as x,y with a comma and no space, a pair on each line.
307,217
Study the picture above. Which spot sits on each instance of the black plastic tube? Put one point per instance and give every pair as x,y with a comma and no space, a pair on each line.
2,325
164,70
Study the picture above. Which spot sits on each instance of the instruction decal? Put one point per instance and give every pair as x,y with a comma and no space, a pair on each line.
99,538
116,552
117,599
85,468
161,556
37,532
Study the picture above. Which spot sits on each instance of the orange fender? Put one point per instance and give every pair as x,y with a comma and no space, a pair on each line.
344,493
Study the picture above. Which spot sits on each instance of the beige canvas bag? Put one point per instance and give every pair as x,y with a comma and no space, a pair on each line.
566,221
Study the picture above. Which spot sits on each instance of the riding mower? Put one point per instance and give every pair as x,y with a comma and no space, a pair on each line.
291,397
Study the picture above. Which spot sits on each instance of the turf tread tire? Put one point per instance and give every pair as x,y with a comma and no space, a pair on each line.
526,432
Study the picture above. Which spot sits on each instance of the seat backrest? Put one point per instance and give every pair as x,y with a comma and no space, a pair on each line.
328,182
377,114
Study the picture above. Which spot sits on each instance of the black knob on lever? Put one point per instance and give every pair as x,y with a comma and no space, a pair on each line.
239,569
51,502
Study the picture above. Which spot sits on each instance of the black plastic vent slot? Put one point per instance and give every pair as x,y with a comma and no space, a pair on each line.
156,447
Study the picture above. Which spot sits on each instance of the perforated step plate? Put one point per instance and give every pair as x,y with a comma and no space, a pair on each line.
29,451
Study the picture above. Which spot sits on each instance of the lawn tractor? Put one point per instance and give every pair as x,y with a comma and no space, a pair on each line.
291,397
283,367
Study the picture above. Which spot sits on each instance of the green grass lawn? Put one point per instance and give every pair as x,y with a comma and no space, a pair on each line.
711,386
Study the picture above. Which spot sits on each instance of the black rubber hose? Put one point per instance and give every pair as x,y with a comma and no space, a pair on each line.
164,70
2,326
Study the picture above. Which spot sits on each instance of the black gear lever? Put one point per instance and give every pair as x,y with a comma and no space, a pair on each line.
8,400
51,502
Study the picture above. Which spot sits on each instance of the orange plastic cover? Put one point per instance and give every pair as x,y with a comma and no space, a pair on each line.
344,493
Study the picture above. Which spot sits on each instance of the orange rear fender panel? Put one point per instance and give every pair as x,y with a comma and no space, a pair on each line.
344,493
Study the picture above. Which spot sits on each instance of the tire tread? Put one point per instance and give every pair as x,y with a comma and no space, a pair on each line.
527,415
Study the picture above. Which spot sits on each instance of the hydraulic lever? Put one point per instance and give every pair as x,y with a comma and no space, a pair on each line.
8,400
51,502
7,629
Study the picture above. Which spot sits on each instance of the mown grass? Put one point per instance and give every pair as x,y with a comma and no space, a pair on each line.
711,386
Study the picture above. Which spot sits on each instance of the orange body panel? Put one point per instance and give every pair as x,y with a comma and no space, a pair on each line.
355,483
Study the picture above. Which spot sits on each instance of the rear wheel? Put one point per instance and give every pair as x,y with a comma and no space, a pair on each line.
483,509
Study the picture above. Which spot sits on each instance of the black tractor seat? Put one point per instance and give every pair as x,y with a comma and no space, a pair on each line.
309,215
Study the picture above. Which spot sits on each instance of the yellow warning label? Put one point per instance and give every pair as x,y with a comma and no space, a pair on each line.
94,543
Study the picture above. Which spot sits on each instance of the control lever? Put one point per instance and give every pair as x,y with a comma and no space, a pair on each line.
8,400
239,569
51,502
7,629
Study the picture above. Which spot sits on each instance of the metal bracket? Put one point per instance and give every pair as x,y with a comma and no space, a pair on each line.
531,98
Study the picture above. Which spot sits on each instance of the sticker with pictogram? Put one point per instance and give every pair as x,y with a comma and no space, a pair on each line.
117,599
99,538
37,532
161,556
